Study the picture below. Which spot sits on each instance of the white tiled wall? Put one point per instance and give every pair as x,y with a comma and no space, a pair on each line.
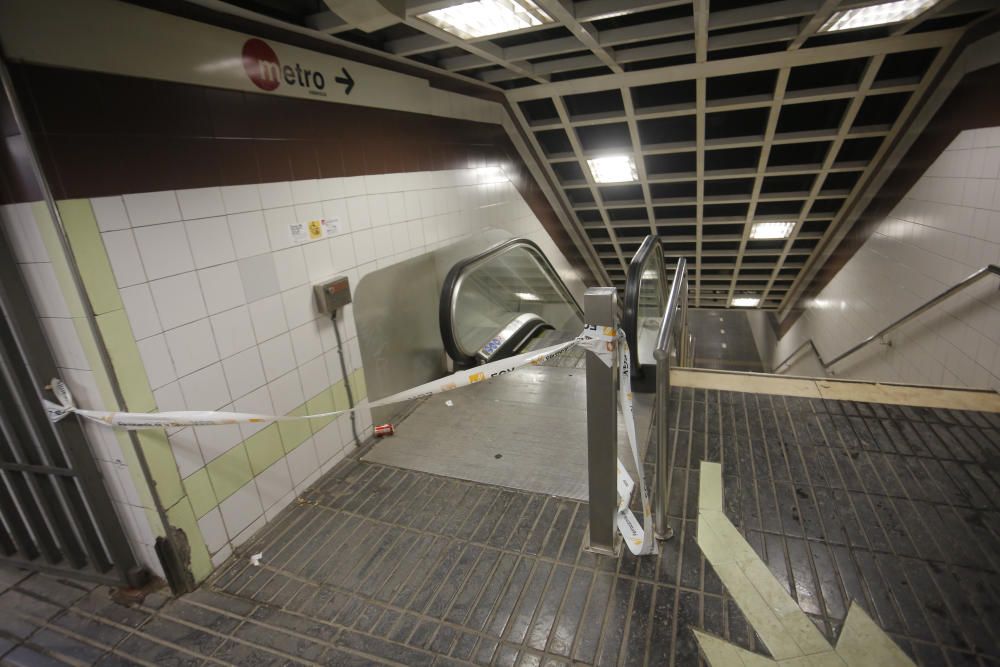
945,228
24,233
219,299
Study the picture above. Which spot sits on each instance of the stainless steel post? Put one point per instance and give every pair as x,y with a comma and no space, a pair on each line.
600,306
671,336
661,490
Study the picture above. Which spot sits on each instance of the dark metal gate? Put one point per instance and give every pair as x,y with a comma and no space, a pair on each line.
55,512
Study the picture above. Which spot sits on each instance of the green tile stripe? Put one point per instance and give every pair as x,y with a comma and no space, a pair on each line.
60,265
200,492
318,404
264,448
101,289
160,458
225,475
230,471
126,361
90,254
205,489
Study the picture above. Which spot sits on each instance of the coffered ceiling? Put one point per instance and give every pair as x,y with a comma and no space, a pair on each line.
733,112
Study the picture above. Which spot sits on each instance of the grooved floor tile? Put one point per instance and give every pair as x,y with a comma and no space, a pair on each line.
891,509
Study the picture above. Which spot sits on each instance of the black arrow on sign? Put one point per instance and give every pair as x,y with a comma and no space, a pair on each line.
346,80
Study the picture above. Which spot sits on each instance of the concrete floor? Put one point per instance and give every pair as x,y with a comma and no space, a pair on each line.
526,431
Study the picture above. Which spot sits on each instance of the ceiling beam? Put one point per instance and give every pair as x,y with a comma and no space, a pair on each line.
765,155
585,34
701,13
487,52
327,22
768,11
577,231
846,216
811,25
640,162
585,11
811,56
867,79
574,142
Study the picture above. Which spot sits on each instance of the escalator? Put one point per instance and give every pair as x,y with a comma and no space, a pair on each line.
509,299
503,301
529,430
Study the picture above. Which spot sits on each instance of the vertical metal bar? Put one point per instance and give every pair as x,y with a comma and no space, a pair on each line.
601,310
682,359
661,492
112,534
674,324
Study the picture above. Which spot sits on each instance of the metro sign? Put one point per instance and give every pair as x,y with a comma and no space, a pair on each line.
263,68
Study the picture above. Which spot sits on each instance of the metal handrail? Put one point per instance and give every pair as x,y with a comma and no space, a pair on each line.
453,282
954,289
676,307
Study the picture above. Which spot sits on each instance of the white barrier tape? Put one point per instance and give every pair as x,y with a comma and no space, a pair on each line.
638,540
134,421
599,340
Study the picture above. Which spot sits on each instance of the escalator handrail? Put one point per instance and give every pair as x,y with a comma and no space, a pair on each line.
449,290
650,246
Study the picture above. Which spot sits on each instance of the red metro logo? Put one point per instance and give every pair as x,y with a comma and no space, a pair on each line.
262,66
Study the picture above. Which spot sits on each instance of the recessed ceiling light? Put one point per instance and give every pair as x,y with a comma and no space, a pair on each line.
771,230
880,14
487,17
526,296
613,169
745,301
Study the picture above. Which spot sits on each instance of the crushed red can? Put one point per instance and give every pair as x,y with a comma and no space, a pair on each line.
383,430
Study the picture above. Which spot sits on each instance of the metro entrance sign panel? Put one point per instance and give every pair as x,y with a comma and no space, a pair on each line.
267,73
119,38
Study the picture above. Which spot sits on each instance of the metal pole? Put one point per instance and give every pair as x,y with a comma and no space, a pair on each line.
661,493
674,325
601,310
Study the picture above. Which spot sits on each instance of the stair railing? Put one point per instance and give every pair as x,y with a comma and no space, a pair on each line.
673,332
991,269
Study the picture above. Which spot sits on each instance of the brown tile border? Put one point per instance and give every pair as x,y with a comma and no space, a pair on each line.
125,134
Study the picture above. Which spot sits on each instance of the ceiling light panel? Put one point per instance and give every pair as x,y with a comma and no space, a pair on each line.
745,301
613,169
761,231
487,17
880,14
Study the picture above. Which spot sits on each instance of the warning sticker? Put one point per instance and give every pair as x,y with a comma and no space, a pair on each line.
299,232
313,230
331,226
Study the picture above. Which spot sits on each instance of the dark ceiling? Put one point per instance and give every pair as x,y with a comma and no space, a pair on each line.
734,111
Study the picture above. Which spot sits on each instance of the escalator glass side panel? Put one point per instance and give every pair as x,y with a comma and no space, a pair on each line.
493,302
645,302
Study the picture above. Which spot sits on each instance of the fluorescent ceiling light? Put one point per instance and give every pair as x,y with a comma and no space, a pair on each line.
526,296
880,14
487,17
613,169
771,230
745,301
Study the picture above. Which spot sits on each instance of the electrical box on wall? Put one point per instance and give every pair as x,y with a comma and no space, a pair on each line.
331,295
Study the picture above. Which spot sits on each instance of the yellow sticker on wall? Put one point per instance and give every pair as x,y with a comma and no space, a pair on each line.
476,377
315,229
